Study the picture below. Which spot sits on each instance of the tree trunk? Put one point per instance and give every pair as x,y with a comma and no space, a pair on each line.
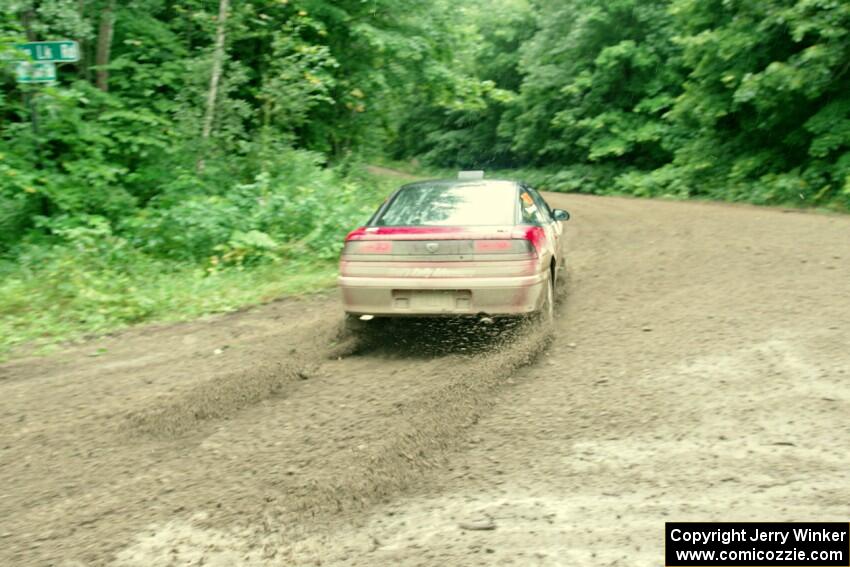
83,64
212,94
104,45
27,17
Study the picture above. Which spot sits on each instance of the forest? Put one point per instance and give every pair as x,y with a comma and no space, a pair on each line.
203,155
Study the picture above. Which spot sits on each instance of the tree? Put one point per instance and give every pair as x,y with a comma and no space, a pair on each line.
598,77
215,77
104,44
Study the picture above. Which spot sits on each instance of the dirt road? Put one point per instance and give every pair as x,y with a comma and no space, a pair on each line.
699,370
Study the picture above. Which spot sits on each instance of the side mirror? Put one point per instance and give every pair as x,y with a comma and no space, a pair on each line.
561,215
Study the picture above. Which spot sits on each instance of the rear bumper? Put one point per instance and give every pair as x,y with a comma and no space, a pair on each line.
412,297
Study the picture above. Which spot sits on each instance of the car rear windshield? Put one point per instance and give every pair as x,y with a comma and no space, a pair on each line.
443,204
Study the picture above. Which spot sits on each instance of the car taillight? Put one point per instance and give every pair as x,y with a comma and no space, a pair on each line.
356,247
512,246
534,235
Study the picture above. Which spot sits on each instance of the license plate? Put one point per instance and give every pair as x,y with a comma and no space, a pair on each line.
432,299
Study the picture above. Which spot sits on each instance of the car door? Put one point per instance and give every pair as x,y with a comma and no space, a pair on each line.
556,229
534,212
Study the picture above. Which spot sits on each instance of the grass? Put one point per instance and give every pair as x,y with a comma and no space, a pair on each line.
67,293
34,319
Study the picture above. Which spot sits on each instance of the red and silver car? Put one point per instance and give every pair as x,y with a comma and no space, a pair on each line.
465,247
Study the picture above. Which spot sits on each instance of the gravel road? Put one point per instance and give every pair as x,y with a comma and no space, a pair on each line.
699,369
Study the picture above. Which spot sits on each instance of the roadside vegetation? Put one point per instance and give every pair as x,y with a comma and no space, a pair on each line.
207,154
738,101
223,252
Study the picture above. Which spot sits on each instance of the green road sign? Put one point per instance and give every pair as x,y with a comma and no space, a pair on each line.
35,72
65,51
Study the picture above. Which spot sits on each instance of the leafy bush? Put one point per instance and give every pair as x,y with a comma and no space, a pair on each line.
581,178
87,278
295,207
280,234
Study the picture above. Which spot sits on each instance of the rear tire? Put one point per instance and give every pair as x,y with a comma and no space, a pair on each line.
546,314
561,283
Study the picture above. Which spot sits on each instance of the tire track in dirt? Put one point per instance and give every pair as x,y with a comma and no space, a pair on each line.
430,426
158,454
388,455
224,396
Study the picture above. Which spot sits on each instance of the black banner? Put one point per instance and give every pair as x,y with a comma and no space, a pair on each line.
757,544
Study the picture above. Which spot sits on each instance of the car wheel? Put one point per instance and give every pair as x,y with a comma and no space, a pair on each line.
561,282
546,314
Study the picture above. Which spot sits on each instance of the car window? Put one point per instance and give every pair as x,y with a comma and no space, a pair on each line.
541,203
530,211
456,204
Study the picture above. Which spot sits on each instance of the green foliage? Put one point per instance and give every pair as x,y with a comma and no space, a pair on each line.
579,178
738,100
763,79
600,75
56,293
308,74
88,280
295,202
462,127
84,273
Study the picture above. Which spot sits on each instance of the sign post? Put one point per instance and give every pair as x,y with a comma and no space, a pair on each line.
37,65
